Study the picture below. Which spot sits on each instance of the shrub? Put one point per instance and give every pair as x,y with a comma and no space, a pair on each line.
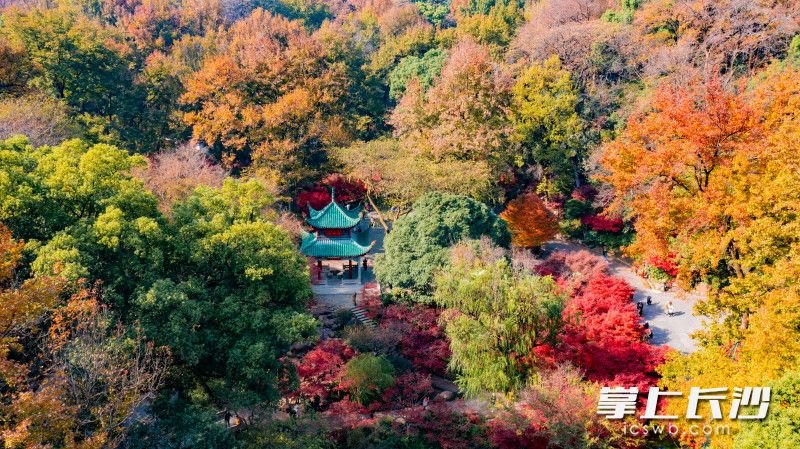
610,240
603,335
305,434
366,377
320,369
446,428
382,436
571,228
423,342
367,339
601,223
577,266
409,389
344,317
656,274
666,265
576,208
371,301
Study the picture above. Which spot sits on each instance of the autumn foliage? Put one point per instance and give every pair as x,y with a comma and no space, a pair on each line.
22,306
602,334
50,395
320,369
423,340
529,221
601,223
675,159
347,192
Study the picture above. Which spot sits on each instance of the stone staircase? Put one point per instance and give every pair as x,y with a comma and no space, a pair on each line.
361,314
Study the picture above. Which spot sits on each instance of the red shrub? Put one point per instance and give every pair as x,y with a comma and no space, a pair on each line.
320,369
601,223
409,389
603,336
349,414
424,343
667,264
347,192
578,266
516,433
442,425
370,300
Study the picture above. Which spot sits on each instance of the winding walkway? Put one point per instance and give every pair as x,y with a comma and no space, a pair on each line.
674,331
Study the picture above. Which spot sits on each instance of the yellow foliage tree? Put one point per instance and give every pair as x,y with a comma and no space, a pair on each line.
753,338
21,304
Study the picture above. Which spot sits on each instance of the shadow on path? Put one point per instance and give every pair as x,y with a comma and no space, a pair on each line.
674,331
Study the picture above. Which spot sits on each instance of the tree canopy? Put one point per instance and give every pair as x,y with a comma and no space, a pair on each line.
218,282
418,242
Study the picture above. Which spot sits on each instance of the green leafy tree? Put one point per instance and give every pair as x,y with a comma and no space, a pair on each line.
366,376
240,285
436,11
96,73
623,14
782,426
495,317
48,189
218,282
417,245
496,27
424,69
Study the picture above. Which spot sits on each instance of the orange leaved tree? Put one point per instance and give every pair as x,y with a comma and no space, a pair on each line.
529,221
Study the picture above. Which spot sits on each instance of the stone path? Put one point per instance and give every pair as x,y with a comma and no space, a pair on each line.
674,331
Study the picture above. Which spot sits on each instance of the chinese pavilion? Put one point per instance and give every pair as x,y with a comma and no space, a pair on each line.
339,234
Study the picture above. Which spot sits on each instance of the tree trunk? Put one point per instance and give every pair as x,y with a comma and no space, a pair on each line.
576,171
377,211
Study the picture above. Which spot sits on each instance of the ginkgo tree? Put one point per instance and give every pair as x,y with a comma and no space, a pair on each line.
724,167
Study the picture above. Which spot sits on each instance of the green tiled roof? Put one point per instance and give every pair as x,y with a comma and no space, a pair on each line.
322,246
333,216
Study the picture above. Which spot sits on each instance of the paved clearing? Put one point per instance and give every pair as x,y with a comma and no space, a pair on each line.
674,331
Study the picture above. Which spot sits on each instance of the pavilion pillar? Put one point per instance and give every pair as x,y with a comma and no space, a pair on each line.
358,269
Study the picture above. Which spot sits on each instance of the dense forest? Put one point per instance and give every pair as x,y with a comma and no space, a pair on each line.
157,158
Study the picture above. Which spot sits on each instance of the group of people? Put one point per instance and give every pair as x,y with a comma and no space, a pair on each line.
670,308
648,333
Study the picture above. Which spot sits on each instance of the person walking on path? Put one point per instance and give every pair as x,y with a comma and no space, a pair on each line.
670,308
